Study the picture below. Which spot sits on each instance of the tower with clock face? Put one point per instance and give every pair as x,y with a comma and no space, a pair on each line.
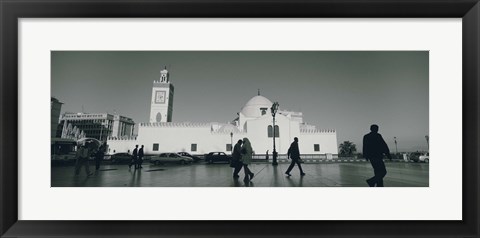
161,106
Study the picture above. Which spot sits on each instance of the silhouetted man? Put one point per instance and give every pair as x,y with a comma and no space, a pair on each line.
82,156
99,156
294,154
140,157
134,157
374,147
236,156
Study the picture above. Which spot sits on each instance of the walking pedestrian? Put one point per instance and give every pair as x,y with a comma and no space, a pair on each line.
99,157
82,156
294,154
247,158
236,158
374,147
266,155
140,157
134,158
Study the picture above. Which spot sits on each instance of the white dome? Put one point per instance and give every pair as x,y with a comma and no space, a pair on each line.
254,106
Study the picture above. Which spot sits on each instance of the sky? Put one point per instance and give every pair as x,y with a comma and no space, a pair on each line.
342,90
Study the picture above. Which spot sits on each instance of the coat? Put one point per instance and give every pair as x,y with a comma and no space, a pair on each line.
293,151
237,152
82,153
374,146
246,152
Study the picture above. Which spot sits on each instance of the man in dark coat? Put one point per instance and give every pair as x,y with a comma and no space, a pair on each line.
374,147
99,156
134,157
294,154
140,157
236,156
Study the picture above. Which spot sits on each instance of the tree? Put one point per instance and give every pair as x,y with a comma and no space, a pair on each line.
347,148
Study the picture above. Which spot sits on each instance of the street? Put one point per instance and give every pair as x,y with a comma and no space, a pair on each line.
327,174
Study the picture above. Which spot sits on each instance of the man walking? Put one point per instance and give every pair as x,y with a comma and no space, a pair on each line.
374,147
294,154
134,158
99,157
236,156
82,155
140,157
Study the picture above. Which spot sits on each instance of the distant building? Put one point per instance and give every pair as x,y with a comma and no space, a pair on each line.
96,125
254,121
55,108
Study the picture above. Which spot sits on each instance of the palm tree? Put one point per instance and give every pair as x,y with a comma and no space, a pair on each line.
347,148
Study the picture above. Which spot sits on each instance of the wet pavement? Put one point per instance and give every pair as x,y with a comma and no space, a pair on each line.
339,174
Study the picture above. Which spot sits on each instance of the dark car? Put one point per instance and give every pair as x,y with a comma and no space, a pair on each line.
213,157
415,156
195,158
121,158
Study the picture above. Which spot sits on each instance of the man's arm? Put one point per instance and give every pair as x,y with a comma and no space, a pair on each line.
385,149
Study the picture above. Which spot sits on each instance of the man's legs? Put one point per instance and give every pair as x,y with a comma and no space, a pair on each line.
97,164
290,167
87,167
379,170
78,165
300,167
237,169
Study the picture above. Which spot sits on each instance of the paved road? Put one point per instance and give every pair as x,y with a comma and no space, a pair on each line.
346,174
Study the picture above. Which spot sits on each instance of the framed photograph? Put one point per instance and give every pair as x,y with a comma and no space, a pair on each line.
239,118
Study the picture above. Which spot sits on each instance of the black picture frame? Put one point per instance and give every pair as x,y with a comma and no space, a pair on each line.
11,11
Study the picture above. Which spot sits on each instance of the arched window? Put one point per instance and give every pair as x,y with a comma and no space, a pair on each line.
270,131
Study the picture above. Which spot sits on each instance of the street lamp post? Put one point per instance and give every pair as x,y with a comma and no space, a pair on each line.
274,109
396,149
231,142
428,144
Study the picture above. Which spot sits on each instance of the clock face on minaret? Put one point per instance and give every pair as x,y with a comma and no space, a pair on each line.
161,106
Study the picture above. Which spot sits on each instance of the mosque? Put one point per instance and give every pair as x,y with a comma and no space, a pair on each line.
254,121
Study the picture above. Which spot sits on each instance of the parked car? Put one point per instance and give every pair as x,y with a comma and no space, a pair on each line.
195,158
170,158
121,158
217,157
424,157
415,156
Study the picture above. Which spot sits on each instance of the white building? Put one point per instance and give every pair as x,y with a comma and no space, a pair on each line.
96,125
254,121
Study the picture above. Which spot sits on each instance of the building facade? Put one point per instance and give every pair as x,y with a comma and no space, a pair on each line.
55,108
96,125
254,121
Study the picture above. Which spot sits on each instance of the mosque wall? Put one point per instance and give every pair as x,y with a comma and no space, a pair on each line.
180,137
327,142
120,145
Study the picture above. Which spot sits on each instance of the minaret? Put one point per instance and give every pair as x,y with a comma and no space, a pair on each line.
161,107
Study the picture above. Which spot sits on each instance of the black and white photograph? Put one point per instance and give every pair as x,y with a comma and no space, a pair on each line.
215,118
240,119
